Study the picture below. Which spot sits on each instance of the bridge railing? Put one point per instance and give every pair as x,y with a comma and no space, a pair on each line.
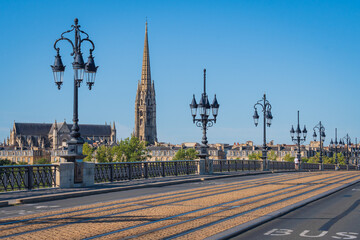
329,166
111,172
310,166
222,165
277,165
27,177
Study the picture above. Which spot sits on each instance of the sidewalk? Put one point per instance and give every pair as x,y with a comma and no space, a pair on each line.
48,194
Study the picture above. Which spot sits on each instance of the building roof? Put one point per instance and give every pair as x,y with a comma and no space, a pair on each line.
32,128
43,129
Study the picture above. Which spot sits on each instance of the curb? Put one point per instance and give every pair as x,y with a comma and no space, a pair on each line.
59,196
235,231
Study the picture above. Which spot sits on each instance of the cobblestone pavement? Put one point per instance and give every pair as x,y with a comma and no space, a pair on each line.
188,214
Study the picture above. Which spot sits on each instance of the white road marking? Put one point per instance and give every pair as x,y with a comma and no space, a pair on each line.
305,234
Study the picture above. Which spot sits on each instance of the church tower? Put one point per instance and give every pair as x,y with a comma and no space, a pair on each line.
145,104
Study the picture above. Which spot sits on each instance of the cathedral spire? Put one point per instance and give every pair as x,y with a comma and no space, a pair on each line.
146,75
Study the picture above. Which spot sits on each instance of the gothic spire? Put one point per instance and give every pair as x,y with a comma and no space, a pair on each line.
146,75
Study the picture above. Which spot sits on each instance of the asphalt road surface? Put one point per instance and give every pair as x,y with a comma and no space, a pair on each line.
334,217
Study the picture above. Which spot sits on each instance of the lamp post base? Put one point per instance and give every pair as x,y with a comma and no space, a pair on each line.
206,166
265,165
75,155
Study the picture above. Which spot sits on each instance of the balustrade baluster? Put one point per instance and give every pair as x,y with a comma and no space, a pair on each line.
30,178
163,168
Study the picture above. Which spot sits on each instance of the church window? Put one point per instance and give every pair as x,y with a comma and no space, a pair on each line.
141,122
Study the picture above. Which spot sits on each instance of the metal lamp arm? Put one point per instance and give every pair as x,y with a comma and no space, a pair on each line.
72,29
87,39
62,38
209,123
268,105
87,35
259,103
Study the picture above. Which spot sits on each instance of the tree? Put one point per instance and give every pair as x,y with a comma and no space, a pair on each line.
288,158
88,151
188,154
130,150
5,161
104,154
42,161
304,160
255,156
22,163
272,155
340,158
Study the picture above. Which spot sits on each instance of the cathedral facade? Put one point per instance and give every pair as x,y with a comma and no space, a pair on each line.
145,103
56,135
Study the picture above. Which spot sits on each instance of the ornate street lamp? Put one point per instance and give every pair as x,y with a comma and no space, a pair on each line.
266,109
347,141
204,121
80,69
322,135
299,138
334,145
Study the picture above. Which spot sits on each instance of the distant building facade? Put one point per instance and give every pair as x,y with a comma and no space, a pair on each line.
29,142
145,104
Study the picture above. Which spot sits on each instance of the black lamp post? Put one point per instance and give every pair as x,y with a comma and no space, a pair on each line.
266,109
299,138
204,121
334,145
80,69
322,135
356,152
347,140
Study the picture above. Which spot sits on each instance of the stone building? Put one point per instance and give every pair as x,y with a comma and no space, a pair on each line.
166,152
145,104
56,135
29,142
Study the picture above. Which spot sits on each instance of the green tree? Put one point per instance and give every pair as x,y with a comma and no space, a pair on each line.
42,161
340,158
272,155
130,150
288,158
88,151
255,156
22,163
188,154
104,154
304,160
5,161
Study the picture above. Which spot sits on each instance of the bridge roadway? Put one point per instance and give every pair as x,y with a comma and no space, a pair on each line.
187,211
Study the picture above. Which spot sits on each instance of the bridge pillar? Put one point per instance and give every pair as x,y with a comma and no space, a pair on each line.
65,175
206,166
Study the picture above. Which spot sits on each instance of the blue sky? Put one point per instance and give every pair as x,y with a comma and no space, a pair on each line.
304,54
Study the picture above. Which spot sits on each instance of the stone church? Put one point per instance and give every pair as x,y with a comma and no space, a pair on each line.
145,104
55,136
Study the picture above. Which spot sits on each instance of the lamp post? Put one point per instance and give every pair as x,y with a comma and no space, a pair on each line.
204,121
347,140
356,152
266,109
322,136
299,138
80,69
334,145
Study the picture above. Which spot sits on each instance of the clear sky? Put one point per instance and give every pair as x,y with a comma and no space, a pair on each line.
304,54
